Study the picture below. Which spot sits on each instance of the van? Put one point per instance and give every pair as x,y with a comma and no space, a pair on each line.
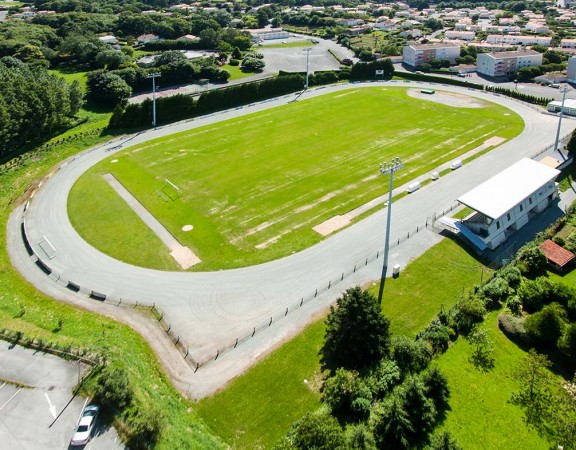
555,86
456,164
413,187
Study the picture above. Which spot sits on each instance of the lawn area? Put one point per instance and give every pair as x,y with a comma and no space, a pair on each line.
24,309
287,175
70,74
292,44
236,73
261,405
480,415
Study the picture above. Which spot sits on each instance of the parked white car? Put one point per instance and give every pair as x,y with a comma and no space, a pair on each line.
85,426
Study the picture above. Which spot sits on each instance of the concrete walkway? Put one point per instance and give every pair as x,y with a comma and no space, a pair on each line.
183,255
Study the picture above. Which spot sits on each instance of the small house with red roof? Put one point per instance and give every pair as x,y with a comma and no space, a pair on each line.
557,256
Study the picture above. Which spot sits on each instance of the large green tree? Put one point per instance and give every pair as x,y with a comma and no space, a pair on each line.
357,333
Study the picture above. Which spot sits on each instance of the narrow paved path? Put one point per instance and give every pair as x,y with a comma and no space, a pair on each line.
209,311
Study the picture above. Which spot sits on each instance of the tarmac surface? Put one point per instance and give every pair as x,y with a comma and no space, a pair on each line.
228,320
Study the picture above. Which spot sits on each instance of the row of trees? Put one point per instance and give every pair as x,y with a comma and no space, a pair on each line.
33,103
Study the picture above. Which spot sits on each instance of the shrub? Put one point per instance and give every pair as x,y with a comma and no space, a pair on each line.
531,261
437,388
317,431
382,379
534,293
567,343
546,325
514,305
234,62
346,395
145,427
512,275
360,437
411,356
495,291
437,335
467,312
113,389
514,328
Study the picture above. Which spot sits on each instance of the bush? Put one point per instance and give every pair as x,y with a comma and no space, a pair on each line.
514,328
316,431
567,343
346,395
360,437
382,379
113,391
234,62
514,305
411,356
467,312
145,427
533,293
512,275
494,292
437,335
437,388
531,261
546,325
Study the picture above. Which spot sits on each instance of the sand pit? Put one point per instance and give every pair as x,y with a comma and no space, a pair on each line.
449,99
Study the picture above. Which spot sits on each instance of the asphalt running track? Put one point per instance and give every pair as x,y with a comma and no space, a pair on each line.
208,311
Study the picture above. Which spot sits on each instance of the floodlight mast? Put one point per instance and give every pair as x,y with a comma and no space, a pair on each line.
307,50
153,76
564,92
385,169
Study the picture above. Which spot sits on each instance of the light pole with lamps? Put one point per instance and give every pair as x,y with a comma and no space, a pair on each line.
385,169
556,142
307,50
153,76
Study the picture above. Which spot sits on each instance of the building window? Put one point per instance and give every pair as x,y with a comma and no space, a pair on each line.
508,216
498,225
530,200
521,208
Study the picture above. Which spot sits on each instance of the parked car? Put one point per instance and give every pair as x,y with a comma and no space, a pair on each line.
85,425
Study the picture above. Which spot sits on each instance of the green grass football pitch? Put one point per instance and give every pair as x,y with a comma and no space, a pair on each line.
253,187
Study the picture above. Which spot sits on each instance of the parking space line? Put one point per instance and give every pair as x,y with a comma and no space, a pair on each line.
7,401
3,384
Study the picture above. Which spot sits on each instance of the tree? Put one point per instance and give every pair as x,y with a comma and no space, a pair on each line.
571,146
482,354
236,53
535,383
316,431
531,261
410,355
360,437
251,64
567,343
546,325
437,388
357,333
112,389
169,57
107,88
442,441
347,395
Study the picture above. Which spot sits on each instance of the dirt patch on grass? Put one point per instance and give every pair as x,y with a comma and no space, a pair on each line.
449,99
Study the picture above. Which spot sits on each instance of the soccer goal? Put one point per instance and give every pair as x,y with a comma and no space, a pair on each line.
170,190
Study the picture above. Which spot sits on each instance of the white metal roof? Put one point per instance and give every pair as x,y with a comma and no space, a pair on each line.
498,195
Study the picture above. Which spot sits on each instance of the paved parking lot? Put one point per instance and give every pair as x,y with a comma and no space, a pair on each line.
37,407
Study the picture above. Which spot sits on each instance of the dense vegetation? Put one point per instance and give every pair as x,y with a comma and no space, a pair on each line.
33,103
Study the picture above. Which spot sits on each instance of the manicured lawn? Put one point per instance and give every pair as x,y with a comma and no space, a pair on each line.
71,74
118,343
254,187
261,405
480,415
304,43
235,72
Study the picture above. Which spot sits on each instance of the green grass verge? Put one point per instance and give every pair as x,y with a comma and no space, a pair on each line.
120,344
236,73
480,415
260,406
70,74
304,43
254,187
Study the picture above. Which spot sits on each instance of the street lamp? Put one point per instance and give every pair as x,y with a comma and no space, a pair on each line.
385,169
564,92
153,76
307,50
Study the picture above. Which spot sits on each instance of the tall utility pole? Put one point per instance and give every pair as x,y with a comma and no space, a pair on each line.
307,50
388,168
564,92
153,76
